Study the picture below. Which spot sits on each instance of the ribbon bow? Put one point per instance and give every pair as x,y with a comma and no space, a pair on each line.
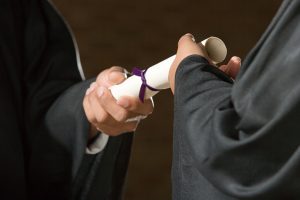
141,73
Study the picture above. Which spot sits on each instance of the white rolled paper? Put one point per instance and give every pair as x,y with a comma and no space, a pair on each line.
157,75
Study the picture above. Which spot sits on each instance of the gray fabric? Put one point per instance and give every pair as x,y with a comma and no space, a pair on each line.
241,140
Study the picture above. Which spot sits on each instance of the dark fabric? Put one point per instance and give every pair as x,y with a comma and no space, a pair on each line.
44,130
241,140
102,176
109,178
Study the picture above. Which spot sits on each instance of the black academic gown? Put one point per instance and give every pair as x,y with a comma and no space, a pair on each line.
241,140
43,128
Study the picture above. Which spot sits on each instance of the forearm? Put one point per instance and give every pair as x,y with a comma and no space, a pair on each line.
239,153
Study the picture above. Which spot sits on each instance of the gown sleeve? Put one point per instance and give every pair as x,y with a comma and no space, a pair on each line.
56,126
244,137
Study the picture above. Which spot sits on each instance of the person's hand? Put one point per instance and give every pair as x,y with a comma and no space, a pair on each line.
187,46
108,115
232,68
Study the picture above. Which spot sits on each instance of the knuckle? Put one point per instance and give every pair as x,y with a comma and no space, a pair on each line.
92,119
102,117
135,105
182,40
121,115
100,76
99,80
103,97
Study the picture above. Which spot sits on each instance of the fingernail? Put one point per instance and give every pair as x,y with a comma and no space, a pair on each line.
114,77
88,91
93,85
237,59
123,102
91,88
191,36
100,91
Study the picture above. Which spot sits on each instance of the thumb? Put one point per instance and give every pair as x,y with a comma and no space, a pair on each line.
111,76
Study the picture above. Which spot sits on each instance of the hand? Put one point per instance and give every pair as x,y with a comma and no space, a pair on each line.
187,46
108,115
232,68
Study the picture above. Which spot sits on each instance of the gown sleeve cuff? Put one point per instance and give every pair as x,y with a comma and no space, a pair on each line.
98,144
191,62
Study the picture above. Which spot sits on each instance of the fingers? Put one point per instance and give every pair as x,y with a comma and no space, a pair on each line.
108,103
136,106
101,118
233,67
117,130
100,115
108,115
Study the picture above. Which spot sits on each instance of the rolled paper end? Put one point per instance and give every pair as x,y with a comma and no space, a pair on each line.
216,49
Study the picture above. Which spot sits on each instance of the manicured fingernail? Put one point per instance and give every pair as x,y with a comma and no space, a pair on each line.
191,36
100,91
123,102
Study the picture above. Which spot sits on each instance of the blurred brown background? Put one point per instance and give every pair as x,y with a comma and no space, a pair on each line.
141,33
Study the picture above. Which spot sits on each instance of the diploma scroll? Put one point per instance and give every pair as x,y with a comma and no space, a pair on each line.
157,75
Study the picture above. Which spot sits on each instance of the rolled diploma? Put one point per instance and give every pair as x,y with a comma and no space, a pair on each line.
157,75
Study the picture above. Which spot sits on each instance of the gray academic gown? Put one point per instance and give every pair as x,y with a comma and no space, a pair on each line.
43,128
241,140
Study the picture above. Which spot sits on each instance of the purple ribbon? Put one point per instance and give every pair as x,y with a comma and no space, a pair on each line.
141,73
